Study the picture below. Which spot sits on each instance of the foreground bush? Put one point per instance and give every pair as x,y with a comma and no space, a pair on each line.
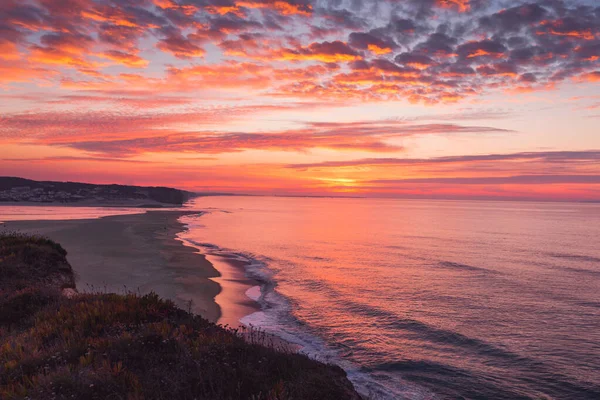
107,346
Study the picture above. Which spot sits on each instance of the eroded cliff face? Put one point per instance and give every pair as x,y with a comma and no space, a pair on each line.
28,261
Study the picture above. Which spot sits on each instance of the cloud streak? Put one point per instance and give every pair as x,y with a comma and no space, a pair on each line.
499,180
109,133
554,157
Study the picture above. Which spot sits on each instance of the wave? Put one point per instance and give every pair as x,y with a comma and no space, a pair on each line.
454,382
581,271
380,382
390,322
462,267
474,367
575,257
488,356
276,317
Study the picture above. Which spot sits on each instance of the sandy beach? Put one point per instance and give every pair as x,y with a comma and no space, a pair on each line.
137,252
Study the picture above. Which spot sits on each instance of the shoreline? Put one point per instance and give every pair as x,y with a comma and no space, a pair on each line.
146,252
135,252
85,342
232,300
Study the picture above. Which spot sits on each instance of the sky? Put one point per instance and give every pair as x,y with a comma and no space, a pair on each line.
394,98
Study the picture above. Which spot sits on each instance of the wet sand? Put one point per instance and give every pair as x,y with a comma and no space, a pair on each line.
138,253
232,299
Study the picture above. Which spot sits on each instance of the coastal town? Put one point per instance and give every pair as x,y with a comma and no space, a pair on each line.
16,190
47,195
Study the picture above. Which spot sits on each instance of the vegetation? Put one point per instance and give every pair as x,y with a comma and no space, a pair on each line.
101,346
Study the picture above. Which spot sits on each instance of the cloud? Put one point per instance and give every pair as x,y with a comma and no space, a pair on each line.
78,159
232,75
123,78
127,59
146,101
64,49
569,27
328,52
419,61
367,41
121,37
501,69
500,180
283,7
438,45
12,71
542,174
590,77
459,49
180,46
361,136
72,125
515,18
553,157
108,133
218,142
459,5
483,48
239,7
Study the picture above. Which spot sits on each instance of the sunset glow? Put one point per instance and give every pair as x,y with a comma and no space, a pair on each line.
437,98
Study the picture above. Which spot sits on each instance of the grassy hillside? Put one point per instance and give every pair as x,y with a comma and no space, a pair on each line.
101,346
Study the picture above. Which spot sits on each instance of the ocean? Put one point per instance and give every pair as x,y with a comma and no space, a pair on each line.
424,299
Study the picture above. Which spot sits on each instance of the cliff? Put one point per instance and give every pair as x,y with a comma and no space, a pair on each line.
99,346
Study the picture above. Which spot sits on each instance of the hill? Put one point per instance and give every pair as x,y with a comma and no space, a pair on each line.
14,189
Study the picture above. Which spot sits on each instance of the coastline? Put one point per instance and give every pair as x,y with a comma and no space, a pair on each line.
136,252
99,345
232,299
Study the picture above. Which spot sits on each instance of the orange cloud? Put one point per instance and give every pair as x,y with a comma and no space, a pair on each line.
117,134
328,52
506,70
460,5
373,48
9,51
223,10
129,60
567,28
229,75
589,77
44,55
524,89
181,47
186,9
483,53
283,7
13,71
119,19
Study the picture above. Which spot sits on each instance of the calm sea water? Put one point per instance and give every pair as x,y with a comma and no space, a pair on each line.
425,299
